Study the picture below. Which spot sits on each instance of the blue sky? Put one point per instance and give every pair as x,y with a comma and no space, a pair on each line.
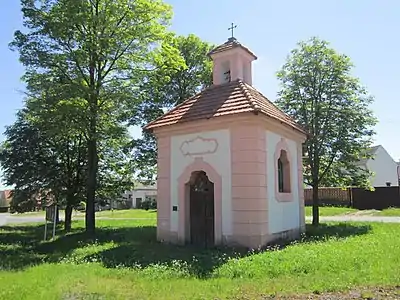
367,31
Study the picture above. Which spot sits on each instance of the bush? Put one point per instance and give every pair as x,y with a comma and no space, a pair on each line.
22,206
124,204
148,203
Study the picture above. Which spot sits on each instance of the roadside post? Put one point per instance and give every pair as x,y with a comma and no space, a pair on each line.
51,216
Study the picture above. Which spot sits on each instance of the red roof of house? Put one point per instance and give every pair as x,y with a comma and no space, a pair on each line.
221,100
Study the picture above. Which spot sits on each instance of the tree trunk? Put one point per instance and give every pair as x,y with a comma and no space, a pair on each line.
315,209
57,215
68,218
92,142
91,186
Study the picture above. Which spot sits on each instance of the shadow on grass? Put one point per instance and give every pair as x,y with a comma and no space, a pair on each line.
22,246
339,230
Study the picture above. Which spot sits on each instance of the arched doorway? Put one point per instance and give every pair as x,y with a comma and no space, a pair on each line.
201,210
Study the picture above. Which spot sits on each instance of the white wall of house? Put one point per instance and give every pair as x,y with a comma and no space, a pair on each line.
3,200
139,195
282,216
384,167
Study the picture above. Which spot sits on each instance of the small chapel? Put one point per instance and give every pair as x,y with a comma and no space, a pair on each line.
229,162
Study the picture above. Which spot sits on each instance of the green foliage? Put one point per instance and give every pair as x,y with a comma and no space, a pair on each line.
320,93
23,201
115,166
165,88
41,164
98,52
148,203
23,143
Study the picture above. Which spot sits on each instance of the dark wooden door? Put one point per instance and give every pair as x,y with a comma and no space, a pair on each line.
202,211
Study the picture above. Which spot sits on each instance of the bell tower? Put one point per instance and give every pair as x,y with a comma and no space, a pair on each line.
232,61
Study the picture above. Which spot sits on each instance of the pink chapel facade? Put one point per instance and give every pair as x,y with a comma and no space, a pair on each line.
252,157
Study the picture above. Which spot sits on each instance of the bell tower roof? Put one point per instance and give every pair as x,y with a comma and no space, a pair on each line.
230,44
232,61
230,94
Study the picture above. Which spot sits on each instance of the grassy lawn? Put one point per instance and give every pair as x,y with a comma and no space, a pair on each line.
124,261
390,212
330,211
128,213
338,211
124,214
152,214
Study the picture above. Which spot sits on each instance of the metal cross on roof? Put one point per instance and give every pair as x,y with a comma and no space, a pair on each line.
232,28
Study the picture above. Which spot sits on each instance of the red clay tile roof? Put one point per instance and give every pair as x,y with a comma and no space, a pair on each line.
220,100
230,44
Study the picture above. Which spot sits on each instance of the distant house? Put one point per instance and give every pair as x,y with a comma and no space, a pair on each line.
5,199
141,193
383,166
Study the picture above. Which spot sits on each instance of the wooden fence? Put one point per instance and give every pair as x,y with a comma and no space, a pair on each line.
359,198
381,198
329,196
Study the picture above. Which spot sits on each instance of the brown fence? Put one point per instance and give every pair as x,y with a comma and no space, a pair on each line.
381,198
329,196
359,198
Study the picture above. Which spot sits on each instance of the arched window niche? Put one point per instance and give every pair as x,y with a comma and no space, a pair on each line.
283,172
283,169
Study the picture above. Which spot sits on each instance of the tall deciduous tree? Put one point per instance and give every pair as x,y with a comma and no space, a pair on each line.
115,165
39,165
45,155
319,92
165,88
100,47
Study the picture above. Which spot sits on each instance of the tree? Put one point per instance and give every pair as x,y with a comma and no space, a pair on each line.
51,94
39,165
165,88
102,48
320,93
115,166
54,108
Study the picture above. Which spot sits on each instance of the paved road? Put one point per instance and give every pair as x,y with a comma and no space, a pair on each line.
10,219
3,220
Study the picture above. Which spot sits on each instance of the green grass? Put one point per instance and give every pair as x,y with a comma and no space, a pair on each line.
330,211
390,212
338,211
145,214
117,214
128,213
125,261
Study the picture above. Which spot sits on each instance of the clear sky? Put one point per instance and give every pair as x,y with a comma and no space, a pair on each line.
368,31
